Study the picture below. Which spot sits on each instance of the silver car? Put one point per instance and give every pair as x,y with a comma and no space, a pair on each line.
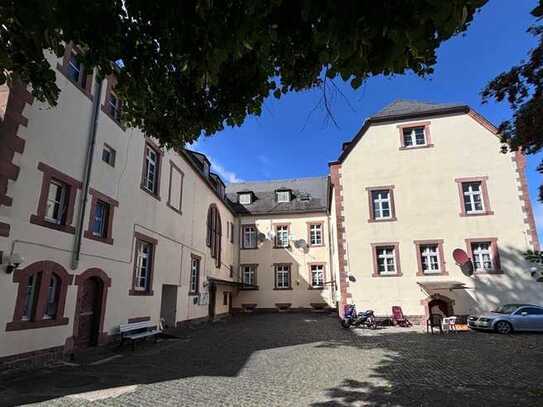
508,318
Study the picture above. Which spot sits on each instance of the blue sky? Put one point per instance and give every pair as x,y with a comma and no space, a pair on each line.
289,140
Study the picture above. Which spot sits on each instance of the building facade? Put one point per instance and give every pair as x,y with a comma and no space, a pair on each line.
445,185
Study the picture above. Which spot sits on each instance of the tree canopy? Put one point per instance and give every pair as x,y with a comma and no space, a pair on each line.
522,87
192,67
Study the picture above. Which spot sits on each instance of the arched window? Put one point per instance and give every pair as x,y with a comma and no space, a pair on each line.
214,233
41,296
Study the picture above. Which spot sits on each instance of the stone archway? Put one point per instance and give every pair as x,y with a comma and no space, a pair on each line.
90,310
438,302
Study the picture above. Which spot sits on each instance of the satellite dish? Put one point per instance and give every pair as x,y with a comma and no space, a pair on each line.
261,237
463,261
300,243
351,278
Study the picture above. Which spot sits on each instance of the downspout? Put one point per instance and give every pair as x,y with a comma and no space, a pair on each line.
331,257
83,196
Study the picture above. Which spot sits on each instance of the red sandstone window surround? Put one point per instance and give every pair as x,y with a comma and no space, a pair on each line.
485,255
430,258
473,194
282,233
112,106
315,232
101,217
283,276
144,259
41,296
75,71
57,200
415,135
317,273
386,259
152,160
381,204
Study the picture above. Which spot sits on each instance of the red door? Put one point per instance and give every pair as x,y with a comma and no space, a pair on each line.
89,300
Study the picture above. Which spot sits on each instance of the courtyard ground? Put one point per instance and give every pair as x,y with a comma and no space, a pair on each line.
295,360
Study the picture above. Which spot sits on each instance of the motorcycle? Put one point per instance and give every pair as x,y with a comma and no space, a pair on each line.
365,319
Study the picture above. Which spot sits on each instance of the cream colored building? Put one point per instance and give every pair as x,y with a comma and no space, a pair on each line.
444,185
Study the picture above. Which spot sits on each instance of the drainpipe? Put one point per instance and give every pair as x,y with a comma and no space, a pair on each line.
331,257
83,197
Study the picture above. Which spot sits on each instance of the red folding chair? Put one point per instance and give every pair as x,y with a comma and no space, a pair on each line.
399,318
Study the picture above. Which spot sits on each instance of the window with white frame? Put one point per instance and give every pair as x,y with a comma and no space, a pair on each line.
283,196
245,199
386,259
414,136
194,275
248,274
473,197
317,276
144,253
482,256
381,204
281,236
150,176
56,202
114,107
249,236
282,276
429,257
315,234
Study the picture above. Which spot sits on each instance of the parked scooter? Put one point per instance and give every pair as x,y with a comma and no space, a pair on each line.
364,319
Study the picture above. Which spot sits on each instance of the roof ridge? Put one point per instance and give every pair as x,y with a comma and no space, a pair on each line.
280,180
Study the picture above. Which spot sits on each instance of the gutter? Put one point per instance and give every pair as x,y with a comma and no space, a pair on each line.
83,197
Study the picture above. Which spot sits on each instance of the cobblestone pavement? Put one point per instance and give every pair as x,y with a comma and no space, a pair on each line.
298,360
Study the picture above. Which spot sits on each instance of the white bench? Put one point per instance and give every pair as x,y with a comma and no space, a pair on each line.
138,330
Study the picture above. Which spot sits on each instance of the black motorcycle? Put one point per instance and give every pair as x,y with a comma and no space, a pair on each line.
364,319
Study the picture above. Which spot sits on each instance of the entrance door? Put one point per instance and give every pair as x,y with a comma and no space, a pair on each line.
438,306
168,306
90,300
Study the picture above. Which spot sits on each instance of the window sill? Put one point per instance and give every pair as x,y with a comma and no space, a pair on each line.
89,235
140,293
394,219
316,288
44,323
441,273
154,195
173,208
36,220
416,147
467,215
386,275
488,272
118,123
316,245
77,85
282,247
282,289
248,248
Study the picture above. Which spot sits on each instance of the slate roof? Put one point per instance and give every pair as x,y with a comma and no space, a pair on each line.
403,107
308,195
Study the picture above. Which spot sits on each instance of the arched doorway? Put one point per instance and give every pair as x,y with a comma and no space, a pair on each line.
90,308
438,304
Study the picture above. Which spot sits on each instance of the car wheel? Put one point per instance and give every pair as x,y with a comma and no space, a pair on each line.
503,327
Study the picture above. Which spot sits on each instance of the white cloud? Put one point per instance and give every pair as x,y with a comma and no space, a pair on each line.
226,175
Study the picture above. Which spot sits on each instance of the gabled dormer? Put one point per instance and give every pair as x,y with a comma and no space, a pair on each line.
283,195
246,197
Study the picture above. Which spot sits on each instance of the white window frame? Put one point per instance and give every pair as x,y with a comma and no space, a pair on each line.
479,253
282,276
58,205
430,254
412,136
151,170
469,197
248,270
114,106
317,275
194,275
386,253
245,199
378,201
281,236
143,265
315,234
249,238
282,196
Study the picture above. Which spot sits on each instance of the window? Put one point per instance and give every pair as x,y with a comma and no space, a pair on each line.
175,188
381,203
225,298
245,198
231,232
530,311
283,196
74,70
41,296
415,135
150,171
473,196
386,259
248,274
194,285
108,155
430,257
282,276
57,200
145,250
315,234
55,211
317,275
114,107
214,233
281,236
248,236
101,217
484,255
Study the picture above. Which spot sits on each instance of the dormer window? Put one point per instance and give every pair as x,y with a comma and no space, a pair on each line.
245,198
283,195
